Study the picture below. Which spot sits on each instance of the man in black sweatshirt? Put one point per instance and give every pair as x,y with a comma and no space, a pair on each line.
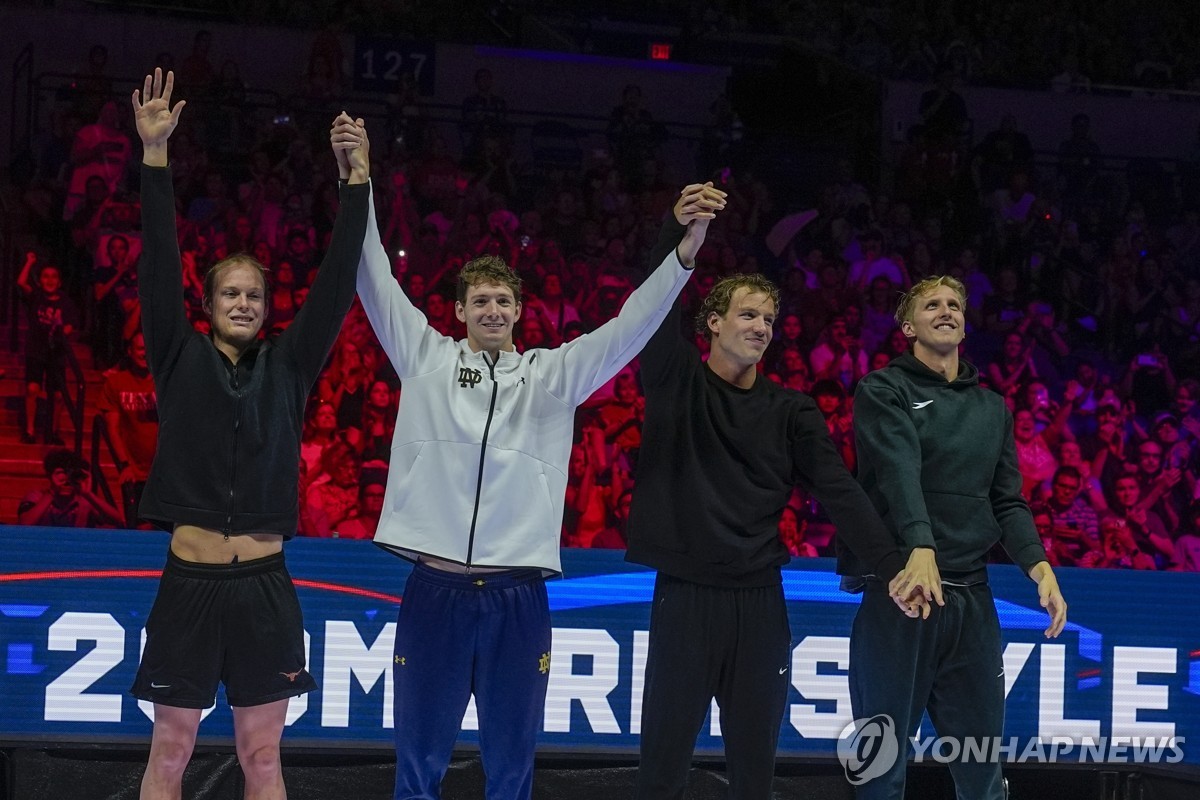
225,472
937,458
722,449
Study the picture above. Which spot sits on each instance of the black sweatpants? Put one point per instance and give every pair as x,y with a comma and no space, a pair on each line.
950,664
706,642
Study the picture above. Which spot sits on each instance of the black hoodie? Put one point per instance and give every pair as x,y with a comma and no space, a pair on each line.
229,435
938,460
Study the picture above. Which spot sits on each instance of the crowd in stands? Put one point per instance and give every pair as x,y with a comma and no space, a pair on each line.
1067,47
1083,306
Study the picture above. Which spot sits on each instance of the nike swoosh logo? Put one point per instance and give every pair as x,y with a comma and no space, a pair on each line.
922,405
160,686
783,670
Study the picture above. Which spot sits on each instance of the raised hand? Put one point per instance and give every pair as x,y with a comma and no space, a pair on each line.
351,147
697,204
155,118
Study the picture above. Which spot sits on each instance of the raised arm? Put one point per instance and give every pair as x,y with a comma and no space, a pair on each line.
160,278
403,331
23,279
586,363
310,337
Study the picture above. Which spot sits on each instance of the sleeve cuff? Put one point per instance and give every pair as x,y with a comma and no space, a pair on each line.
889,566
919,534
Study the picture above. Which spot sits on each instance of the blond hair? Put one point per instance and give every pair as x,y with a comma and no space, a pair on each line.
908,301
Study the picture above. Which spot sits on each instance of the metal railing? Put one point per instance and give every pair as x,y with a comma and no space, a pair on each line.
74,405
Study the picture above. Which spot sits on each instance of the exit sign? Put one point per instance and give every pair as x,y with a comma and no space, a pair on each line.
660,51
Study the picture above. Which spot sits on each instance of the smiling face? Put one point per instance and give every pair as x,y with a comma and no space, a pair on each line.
490,310
937,323
741,335
237,305
1024,425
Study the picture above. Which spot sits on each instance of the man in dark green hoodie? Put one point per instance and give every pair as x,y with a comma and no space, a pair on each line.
937,458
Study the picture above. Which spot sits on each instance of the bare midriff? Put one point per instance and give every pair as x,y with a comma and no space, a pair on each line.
207,546
451,566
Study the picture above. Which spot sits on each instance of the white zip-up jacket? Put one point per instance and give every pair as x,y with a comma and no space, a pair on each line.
479,458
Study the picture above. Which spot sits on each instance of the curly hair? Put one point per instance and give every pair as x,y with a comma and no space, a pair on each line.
718,299
487,269
908,301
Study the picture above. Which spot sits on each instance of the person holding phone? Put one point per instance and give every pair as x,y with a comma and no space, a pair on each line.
1075,527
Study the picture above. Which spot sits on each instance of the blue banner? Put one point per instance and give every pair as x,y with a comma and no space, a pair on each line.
73,604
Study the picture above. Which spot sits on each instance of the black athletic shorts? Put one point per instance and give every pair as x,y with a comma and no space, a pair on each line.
237,624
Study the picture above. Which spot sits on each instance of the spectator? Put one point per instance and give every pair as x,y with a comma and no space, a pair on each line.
791,532
1149,381
130,409
1034,456
370,506
1161,488
52,319
344,386
1147,527
1076,528
830,397
1070,455
1119,549
100,150
1014,365
622,418
839,355
1043,520
114,288
552,306
587,499
1187,545
67,501
320,432
378,422
332,497
874,264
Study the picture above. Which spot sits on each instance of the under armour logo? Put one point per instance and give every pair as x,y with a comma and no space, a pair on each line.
520,381
469,378
400,660
922,404
544,663
291,676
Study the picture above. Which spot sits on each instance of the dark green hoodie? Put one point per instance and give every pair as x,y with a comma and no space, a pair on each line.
938,460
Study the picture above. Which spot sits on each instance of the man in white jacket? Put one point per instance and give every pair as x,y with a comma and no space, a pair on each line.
475,497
